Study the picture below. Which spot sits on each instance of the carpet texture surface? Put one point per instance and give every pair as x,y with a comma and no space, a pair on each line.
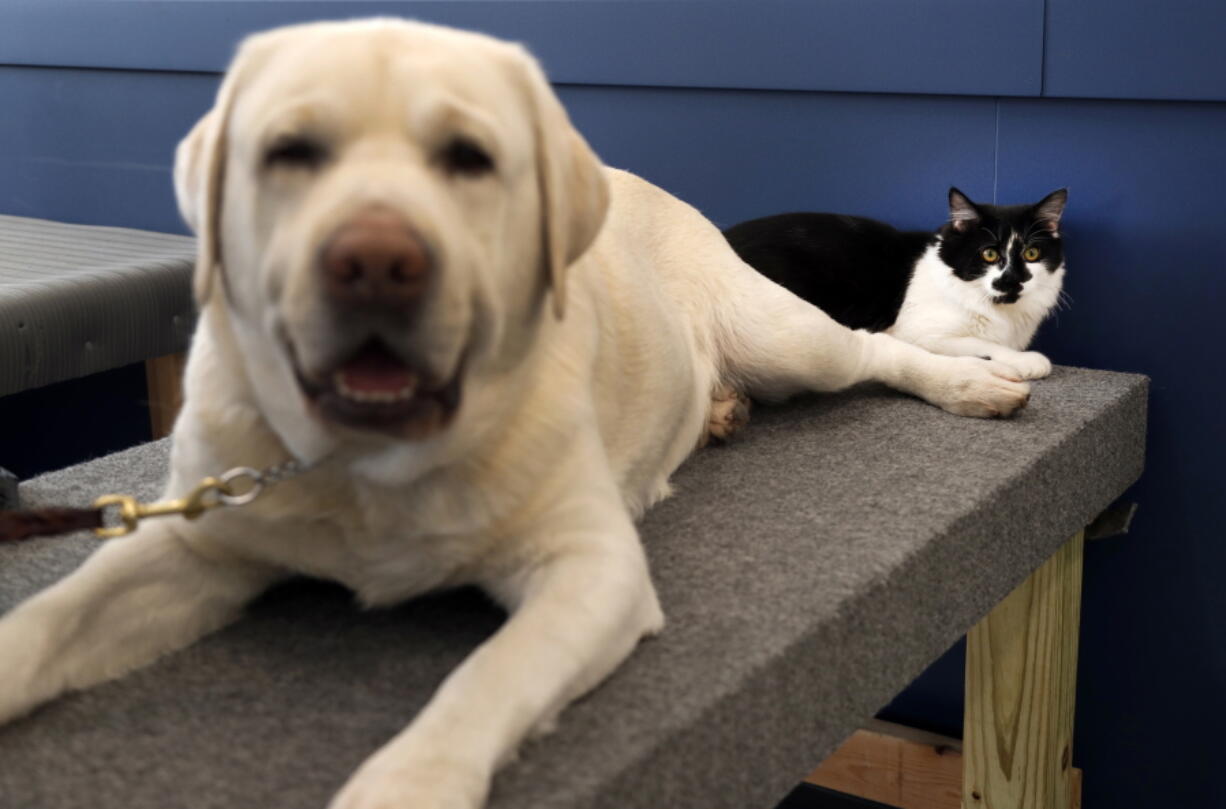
809,570
79,299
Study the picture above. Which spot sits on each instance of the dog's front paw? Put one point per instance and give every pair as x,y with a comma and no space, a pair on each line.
982,389
26,681
1028,364
385,783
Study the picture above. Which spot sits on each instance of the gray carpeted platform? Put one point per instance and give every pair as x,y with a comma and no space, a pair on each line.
809,571
79,299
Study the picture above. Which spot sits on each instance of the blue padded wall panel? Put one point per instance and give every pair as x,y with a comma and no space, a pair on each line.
95,147
1145,273
737,155
936,46
1175,49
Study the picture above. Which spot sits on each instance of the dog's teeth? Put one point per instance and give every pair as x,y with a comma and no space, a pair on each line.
371,396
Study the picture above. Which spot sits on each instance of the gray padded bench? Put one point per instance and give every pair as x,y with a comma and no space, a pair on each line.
78,299
809,571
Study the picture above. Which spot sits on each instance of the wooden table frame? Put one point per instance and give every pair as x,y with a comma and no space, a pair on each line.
164,379
1017,744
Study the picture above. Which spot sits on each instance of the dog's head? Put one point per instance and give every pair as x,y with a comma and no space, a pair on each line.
385,208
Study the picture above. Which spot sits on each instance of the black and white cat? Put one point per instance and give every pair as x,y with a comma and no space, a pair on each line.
979,286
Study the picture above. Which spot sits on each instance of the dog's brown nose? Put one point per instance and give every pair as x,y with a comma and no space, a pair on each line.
375,258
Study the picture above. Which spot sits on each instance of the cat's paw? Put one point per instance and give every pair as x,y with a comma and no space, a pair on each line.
1028,364
981,388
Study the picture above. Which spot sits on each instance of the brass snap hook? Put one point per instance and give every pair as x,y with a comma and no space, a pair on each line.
208,494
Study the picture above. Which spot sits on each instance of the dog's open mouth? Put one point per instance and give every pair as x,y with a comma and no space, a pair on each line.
375,389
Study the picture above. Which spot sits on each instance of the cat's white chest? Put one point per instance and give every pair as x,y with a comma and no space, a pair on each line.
980,325
939,306
1003,328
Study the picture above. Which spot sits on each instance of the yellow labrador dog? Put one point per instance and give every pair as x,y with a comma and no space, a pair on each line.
414,271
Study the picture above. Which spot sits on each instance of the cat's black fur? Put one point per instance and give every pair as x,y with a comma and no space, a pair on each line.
854,269
857,269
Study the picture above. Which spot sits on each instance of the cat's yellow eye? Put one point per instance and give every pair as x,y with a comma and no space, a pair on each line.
1032,254
989,255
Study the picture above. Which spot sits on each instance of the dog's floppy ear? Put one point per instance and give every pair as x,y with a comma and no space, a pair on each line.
200,167
188,179
573,188
200,170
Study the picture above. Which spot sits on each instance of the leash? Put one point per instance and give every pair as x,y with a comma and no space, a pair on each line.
114,515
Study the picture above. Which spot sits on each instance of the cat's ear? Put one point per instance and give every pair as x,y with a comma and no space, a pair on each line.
962,212
1051,208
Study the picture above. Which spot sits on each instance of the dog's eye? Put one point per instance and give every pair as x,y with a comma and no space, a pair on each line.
989,254
462,156
294,151
1032,254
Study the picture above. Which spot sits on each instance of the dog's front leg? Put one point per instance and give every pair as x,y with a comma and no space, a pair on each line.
779,345
578,609
1028,364
136,598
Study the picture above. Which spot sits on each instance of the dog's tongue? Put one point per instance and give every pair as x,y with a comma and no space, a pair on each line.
375,370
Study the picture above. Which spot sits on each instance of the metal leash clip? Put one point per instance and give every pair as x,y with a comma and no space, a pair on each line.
237,487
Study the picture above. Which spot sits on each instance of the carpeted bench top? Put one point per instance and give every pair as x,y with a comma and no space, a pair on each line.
79,299
809,571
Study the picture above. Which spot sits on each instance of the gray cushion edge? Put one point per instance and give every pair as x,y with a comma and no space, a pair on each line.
87,327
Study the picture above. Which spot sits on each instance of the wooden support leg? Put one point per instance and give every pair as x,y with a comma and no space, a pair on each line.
164,376
1021,677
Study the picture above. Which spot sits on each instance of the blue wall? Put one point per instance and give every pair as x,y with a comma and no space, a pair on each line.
873,107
